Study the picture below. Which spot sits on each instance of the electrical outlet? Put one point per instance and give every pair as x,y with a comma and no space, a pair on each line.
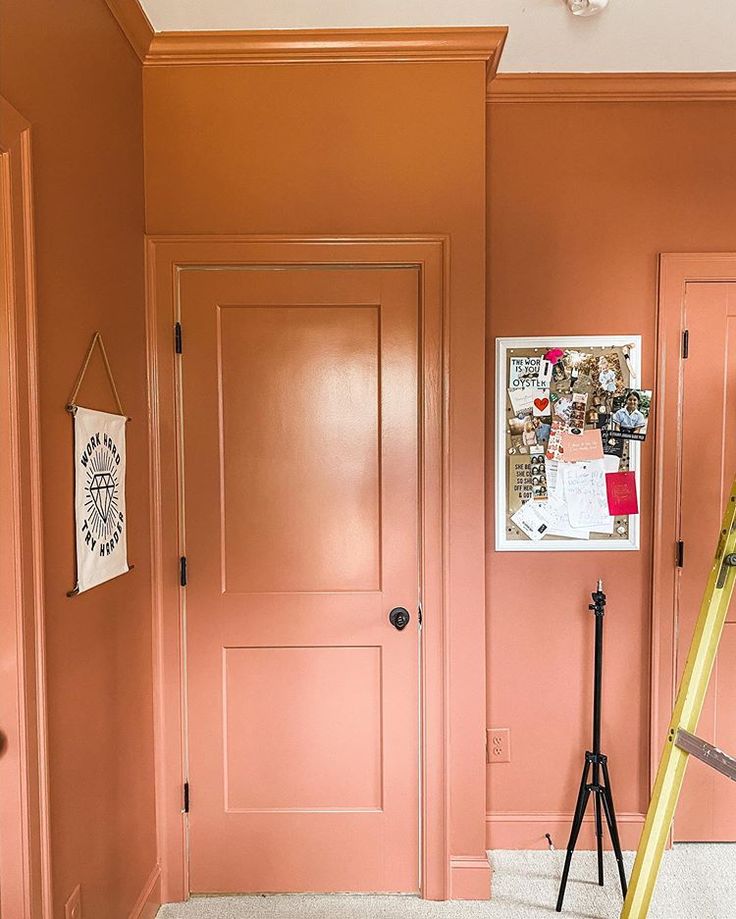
498,745
73,908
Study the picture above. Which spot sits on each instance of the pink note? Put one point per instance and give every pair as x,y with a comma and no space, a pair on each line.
578,448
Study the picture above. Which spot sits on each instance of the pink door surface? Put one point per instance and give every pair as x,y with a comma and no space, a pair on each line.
707,808
300,516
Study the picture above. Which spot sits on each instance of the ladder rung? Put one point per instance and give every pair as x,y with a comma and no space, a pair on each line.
706,753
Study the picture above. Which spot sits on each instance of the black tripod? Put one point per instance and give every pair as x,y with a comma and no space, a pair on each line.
598,762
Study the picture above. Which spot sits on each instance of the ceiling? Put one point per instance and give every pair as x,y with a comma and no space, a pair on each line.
630,35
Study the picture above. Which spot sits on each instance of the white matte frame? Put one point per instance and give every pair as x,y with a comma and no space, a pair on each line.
503,346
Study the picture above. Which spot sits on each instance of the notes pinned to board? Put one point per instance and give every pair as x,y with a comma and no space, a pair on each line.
568,440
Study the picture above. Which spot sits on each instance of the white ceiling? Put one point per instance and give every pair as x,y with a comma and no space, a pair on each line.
634,35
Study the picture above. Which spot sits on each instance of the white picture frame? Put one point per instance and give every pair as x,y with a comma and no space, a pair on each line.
503,348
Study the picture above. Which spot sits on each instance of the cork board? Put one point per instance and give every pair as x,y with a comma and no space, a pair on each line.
587,378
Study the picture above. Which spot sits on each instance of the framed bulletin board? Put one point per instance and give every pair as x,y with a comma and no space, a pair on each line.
549,390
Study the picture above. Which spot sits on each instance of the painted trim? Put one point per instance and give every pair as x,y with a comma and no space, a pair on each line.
612,87
513,830
430,255
306,46
675,271
134,24
25,866
149,899
470,877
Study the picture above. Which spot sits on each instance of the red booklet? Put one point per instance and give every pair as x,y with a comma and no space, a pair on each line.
621,491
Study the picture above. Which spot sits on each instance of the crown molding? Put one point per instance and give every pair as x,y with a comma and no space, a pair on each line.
612,87
328,46
134,24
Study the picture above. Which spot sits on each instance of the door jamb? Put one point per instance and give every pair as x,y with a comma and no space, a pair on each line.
675,271
25,876
430,255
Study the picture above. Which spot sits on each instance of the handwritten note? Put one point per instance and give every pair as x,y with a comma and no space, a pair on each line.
585,493
554,514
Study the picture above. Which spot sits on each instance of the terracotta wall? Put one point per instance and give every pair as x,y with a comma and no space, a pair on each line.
68,69
336,149
582,199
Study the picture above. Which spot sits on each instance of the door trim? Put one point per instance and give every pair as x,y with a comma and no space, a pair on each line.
25,868
675,271
166,255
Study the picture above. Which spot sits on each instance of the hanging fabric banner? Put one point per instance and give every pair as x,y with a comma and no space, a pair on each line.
99,471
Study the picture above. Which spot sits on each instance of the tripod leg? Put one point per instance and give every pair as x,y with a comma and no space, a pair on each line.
577,820
599,836
612,828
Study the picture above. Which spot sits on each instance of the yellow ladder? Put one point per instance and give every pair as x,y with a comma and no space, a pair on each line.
681,742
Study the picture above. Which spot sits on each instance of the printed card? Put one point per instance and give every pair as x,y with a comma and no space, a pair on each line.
519,486
524,372
583,447
541,405
521,400
552,473
621,491
529,521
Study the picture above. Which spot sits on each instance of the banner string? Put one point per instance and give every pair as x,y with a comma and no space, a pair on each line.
96,340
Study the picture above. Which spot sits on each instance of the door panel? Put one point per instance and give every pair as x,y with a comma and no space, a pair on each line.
707,809
300,456
276,487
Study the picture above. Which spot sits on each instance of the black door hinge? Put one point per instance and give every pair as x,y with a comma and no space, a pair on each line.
419,615
186,798
177,338
183,571
685,342
680,553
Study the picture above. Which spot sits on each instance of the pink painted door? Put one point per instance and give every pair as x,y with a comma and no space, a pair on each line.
707,809
300,457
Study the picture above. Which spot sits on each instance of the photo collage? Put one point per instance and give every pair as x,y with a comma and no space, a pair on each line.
573,416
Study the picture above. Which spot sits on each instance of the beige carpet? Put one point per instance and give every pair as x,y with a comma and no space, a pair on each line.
696,882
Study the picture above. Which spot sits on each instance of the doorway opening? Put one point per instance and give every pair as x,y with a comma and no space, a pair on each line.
286,649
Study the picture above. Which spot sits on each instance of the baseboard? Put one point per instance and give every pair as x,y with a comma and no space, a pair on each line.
149,900
527,831
470,877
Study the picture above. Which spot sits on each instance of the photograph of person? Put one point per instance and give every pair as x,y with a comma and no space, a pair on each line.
542,429
529,435
631,414
522,433
609,378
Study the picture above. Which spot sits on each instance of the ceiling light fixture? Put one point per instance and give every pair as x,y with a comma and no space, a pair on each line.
586,7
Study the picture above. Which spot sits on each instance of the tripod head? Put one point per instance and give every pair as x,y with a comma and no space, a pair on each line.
598,606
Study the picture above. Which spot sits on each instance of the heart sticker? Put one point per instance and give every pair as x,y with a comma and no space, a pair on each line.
541,404
554,355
